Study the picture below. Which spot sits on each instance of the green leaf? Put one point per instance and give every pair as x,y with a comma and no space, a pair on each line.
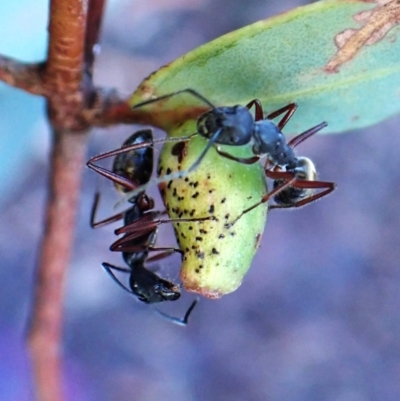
338,59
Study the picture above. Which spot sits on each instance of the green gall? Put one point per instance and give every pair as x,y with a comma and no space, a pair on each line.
216,254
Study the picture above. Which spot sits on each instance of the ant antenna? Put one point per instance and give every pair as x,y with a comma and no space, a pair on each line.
187,90
180,322
107,267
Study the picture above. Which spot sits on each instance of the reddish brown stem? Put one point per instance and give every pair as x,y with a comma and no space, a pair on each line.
22,75
64,69
46,326
94,19
74,105
63,79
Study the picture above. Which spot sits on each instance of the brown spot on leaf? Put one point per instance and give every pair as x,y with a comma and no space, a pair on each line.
180,150
377,23
258,240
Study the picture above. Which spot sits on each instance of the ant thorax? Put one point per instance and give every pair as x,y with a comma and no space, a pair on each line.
269,140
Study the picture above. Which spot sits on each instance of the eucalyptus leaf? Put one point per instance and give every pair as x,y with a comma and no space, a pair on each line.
338,59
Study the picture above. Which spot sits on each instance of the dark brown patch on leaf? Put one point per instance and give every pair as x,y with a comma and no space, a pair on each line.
179,150
377,23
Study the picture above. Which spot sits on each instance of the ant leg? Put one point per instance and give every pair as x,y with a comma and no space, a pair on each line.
125,244
259,112
187,90
140,228
181,322
107,267
109,220
160,256
147,223
278,174
114,177
265,198
305,184
306,134
243,160
288,110
145,248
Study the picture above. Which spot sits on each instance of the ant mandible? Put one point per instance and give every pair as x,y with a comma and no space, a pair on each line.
131,169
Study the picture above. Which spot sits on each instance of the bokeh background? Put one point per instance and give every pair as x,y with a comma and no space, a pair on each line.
317,316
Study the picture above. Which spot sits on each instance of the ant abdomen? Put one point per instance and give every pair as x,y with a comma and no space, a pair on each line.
135,165
289,195
305,170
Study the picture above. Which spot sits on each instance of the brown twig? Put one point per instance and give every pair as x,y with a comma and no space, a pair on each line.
74,105
47,317
22,75
65,80
95,16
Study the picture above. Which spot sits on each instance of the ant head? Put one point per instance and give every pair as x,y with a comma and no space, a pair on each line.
136,165
150,288
235,125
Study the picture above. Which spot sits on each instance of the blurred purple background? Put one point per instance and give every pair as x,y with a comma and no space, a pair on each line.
316,318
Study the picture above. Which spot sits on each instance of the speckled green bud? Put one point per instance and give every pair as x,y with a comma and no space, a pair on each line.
216,257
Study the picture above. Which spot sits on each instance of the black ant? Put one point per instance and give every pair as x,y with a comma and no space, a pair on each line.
294,177
132,169
293,184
